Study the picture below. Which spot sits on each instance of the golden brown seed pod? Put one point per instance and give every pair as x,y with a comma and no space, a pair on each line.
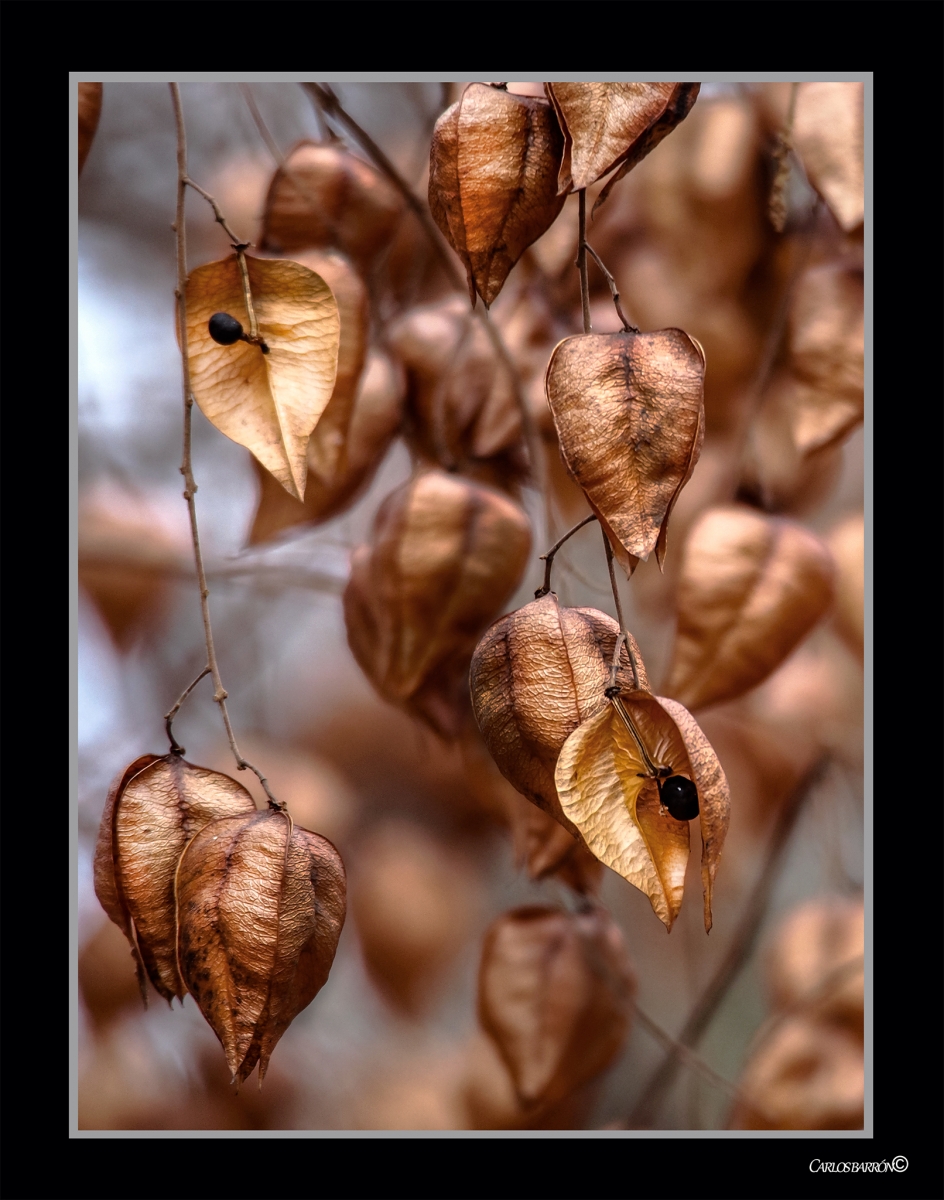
493,180
555,995
260,906
154,807
445,555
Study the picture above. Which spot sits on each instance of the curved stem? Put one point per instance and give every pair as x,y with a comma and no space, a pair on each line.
549,557
630,328
624,633
175,748
186,468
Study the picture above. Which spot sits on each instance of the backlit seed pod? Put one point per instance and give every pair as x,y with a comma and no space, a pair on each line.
90,109
609,125
461,397
444,557
326,196
154,808
751,587
260,906
493,167
556,991
535,676
630,416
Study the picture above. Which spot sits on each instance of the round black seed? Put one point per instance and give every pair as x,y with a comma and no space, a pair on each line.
225,329
680,797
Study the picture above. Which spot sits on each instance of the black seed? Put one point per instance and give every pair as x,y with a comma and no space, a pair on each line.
225,329
680,797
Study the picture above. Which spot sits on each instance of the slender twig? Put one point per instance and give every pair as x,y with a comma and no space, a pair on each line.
739,951
614,292
175,747
264,133
624,633
581,263
186,468
549,557
323,97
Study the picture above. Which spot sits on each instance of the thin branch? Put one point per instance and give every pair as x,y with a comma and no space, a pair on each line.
549,557
739,951
186,468
175,747
581,263
624,633
627,325
266,136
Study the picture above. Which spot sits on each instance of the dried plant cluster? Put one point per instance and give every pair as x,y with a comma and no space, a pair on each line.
305,353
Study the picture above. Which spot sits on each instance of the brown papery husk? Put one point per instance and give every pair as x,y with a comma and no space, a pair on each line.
493,180
153,809
326,196
535,676
556,991
260,906
751,587
445,555
367,435
90,110
630,417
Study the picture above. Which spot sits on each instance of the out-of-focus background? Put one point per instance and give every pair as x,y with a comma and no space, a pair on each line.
393,1041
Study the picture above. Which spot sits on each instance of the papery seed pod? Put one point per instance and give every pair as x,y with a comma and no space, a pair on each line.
445,555
751,587
461,397
535,676
609,125
630,416
326,196
260,906
493,168
154,807
90,110
372,424
556,991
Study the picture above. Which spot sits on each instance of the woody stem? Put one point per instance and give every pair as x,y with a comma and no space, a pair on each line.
549,557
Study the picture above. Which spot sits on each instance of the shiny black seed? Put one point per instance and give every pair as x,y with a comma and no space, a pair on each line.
225,329
680,797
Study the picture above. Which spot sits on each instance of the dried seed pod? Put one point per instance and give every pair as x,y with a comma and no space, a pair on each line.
535,676
555,995
461,396
154,807
630,416
372,425
260,906
607,125
829,136
493,180
751,587
445,555
325,196
610,781
90,110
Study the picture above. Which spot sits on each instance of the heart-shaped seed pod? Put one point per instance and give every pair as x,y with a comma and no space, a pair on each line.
326,196
610,777
493,168
260,906
751,587
535,676
556,991
154,807
445,555
630,417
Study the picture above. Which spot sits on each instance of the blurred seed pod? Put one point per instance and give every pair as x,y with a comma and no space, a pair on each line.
493,180
751,587
536,675
325,196
260,906
372,424
445,555
155,806
415,902
90,109
106,984
608,125
556,992
461,397
630,416
847,544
